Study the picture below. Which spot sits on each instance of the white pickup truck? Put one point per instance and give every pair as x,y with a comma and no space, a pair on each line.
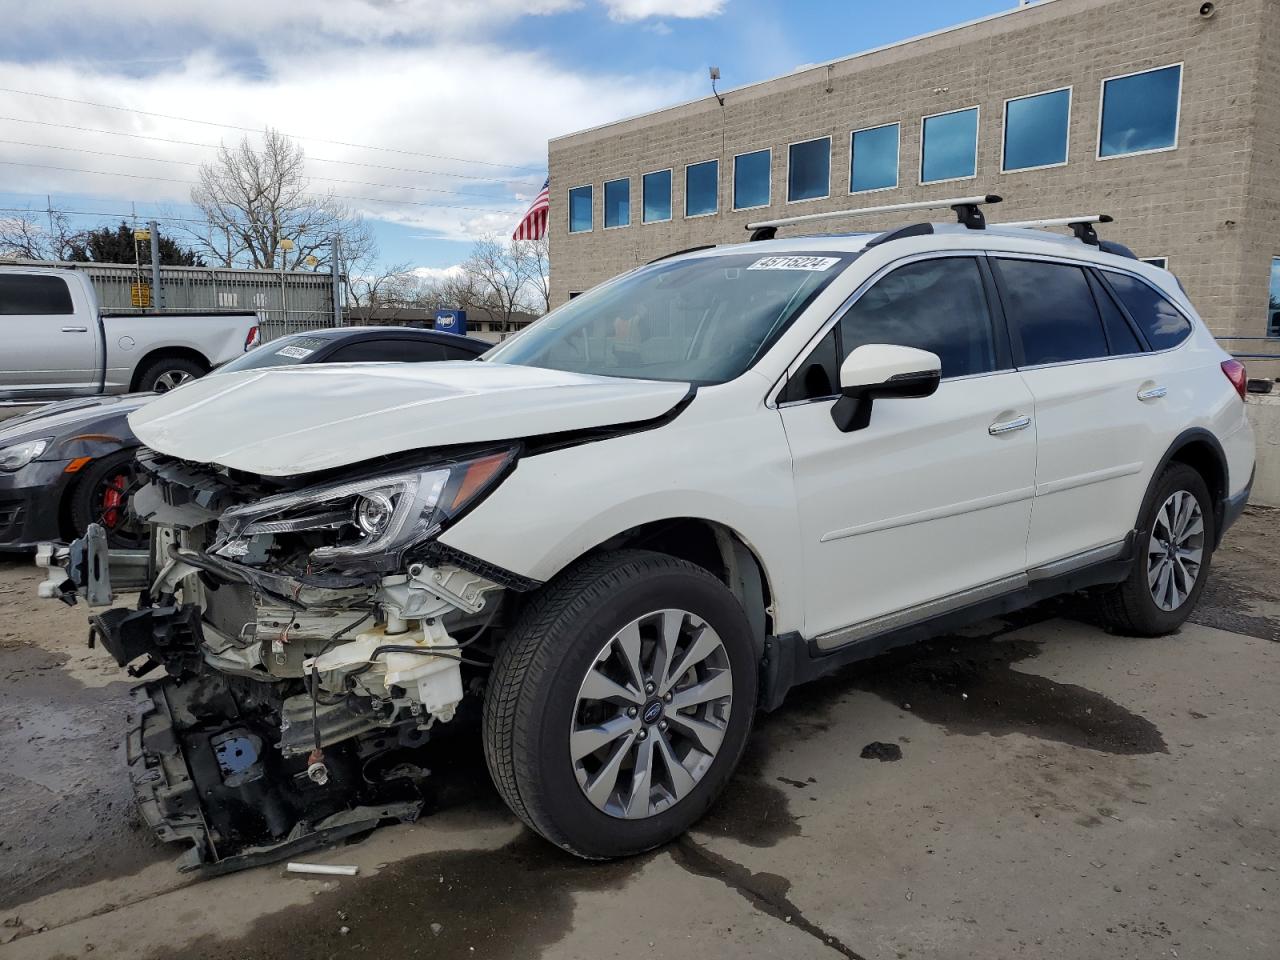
54,342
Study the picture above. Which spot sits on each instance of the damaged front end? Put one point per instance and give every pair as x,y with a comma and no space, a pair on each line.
313,637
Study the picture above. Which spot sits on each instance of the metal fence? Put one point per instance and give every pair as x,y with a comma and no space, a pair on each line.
285,301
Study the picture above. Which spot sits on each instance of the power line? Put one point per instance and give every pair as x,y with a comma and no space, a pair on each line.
215,146
192,163
232,126
337,196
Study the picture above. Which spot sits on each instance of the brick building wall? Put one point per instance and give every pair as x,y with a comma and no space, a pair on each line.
1194,204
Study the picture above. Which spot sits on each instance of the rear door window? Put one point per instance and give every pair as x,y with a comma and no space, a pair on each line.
1161,322
34,296
1052,314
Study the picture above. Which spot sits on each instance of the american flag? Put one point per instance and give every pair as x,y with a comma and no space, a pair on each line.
534,224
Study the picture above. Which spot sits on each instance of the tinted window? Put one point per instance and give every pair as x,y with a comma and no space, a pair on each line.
1120,334
1140,112
1051,312
950,150
283,352
751,180
1035,130
809,169
657,196
701,188
934,305
387,351
458,353
1155,316
873,158
34,295
580,209
1273,300
693,319
617,203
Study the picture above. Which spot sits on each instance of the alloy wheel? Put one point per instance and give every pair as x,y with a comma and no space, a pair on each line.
1175,551
171,379
651,714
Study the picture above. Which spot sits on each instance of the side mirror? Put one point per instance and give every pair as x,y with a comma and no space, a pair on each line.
882,370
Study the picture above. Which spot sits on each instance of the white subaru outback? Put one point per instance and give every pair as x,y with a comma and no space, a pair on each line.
631,527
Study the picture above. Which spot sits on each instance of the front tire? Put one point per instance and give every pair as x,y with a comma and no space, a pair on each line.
620,706
102,495
1171,562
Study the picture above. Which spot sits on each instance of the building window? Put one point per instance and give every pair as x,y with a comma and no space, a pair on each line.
873,158
702,188
1140,112
751,172
574,293
809,170
580,209
1161,262
1273,301
949,146
1035,130
617,203
657,196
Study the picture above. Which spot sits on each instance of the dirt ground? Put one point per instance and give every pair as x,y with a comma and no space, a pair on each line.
1035,787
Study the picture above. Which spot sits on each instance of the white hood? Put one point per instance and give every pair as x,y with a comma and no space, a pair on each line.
291,420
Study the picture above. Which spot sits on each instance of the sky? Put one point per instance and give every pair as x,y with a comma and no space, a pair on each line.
429,117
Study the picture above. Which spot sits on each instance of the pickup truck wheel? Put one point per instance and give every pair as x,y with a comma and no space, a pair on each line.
620,705
101,495
1173,550
169,373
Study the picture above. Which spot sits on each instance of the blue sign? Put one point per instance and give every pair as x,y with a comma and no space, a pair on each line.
451,321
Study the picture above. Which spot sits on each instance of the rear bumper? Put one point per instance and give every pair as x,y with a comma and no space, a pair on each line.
1233,506
31,504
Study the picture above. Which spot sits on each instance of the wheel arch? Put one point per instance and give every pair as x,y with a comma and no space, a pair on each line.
164,353
1201,451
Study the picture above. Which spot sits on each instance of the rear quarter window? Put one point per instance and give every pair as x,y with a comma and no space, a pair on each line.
1159,320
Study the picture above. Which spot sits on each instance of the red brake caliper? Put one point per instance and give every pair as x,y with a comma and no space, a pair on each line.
113,499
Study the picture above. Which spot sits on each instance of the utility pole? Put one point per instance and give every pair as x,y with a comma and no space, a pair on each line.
335,271
157,291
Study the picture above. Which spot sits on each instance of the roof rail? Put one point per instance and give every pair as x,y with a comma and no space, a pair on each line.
968,211
1081,226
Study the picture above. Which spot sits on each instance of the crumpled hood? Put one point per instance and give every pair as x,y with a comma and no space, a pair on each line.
293,420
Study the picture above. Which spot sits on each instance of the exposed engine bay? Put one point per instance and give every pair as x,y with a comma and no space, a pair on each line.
313,637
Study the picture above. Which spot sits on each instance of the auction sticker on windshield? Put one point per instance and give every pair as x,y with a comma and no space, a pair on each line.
297,353
795,263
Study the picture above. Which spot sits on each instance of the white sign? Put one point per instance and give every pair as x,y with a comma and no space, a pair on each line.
795,263
297,353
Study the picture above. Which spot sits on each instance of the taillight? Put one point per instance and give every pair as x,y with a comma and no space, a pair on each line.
1234,371
253,339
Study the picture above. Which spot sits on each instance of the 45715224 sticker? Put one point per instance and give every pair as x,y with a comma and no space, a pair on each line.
816,264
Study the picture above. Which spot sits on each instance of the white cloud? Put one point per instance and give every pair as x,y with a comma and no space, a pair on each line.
628,10
436,274
446,98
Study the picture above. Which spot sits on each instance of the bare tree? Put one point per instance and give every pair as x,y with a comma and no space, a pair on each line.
500,274
539,272
253,198
36,235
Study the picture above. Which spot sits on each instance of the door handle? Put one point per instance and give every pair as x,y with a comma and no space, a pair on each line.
75,329
1009,426
1152,393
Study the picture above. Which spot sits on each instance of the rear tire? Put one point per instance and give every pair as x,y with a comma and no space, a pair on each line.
563,680
1171,558
168,373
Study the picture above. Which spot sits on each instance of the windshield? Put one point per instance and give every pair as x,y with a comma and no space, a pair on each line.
284,352
702,320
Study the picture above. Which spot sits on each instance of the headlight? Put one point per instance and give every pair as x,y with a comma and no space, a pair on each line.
369,523
20,454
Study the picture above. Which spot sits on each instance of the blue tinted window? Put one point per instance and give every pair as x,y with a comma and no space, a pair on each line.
873,158
809,169
657,196
1273,302
1140,112
1035,130
1155,316
751,180
580,209
701,188
617,203
950,148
